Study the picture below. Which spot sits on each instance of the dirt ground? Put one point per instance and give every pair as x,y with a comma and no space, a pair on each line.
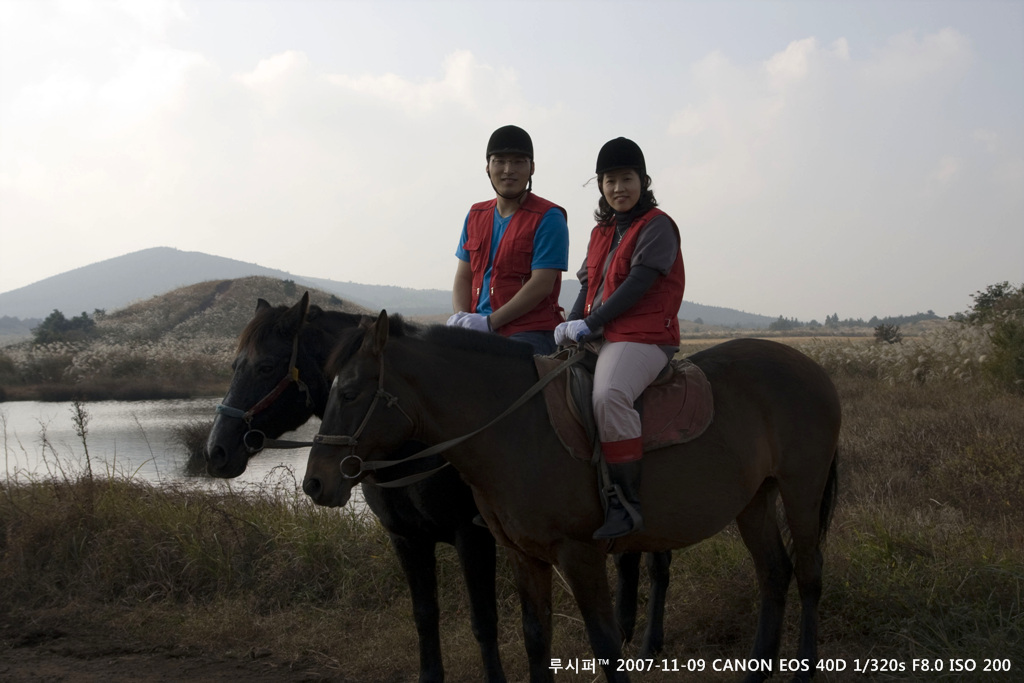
47,652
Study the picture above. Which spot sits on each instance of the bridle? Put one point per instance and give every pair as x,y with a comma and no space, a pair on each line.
261,440
372,466
390,401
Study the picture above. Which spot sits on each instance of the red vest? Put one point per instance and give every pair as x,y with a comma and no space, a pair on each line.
511,264
654,318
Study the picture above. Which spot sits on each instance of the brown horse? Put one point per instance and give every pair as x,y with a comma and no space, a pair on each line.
775,434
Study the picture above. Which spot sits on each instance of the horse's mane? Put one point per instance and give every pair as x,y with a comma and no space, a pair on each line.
467,340
266,322
350,340
258,329
438,335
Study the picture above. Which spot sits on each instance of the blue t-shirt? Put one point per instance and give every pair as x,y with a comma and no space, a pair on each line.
550,248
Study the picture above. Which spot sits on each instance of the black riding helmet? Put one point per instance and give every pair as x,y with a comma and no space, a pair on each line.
510,140
621,153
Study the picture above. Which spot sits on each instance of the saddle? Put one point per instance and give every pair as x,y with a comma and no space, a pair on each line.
677,407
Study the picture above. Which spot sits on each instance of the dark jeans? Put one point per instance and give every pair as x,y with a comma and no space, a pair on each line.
542,341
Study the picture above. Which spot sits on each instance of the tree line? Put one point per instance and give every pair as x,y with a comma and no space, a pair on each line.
832,322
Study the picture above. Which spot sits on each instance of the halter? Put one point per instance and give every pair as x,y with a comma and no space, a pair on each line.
372,466
291,376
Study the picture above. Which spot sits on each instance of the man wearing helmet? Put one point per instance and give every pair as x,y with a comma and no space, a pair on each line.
512,251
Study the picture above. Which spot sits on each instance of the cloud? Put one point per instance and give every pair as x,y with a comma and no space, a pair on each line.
819,162
798,168
269,165
465,83
793,63
273,70
946,171
907,59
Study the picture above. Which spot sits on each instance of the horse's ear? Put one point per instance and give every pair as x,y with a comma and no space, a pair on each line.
377,336
262,304
296,315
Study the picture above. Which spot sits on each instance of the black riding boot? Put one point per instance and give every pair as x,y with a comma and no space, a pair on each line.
625,480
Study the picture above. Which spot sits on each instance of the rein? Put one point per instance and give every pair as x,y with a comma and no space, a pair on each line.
261,441
372,466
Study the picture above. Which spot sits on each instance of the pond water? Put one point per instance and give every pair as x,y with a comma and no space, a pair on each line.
134,439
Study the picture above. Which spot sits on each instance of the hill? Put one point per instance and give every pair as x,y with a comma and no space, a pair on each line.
118,282
177,344
214,309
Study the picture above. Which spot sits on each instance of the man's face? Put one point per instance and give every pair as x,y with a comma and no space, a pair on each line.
510,173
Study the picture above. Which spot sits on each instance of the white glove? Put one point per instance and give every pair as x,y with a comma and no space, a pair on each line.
474,321
570,332
454,320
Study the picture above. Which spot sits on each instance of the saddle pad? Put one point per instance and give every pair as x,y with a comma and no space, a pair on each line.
675,409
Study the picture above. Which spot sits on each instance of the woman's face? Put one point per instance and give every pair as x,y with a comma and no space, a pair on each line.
621,189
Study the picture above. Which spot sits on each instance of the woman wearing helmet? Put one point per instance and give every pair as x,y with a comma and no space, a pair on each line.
631,288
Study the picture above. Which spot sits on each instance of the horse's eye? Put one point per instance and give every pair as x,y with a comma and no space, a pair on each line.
265,368
344,394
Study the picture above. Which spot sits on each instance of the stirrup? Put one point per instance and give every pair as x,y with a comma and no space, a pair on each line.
618,515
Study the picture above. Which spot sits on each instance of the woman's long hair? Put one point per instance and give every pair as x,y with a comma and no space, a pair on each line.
605,214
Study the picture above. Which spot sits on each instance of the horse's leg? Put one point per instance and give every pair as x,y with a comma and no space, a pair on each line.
477,556
808,521
627,569
658,571
759,529
583,565
533,580
418,562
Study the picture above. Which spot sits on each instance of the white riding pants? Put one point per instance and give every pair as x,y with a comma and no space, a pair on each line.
624,370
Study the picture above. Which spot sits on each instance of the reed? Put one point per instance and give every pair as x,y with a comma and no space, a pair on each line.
924,559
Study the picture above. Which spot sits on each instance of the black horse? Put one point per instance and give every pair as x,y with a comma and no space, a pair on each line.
279,382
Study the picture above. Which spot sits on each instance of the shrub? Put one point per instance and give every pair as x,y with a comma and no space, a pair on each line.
57,328
1005,365
999,308
193,435
888,333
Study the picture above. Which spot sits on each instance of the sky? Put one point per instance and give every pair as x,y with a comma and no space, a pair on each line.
852,158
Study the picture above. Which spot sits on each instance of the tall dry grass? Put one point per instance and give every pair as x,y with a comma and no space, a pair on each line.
175,345
925,558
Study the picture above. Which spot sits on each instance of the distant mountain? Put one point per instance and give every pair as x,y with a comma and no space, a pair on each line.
115,283
15,329
708,315
118,282
402,300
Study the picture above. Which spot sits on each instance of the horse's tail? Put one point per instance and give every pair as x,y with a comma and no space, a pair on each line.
828,499
828,505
